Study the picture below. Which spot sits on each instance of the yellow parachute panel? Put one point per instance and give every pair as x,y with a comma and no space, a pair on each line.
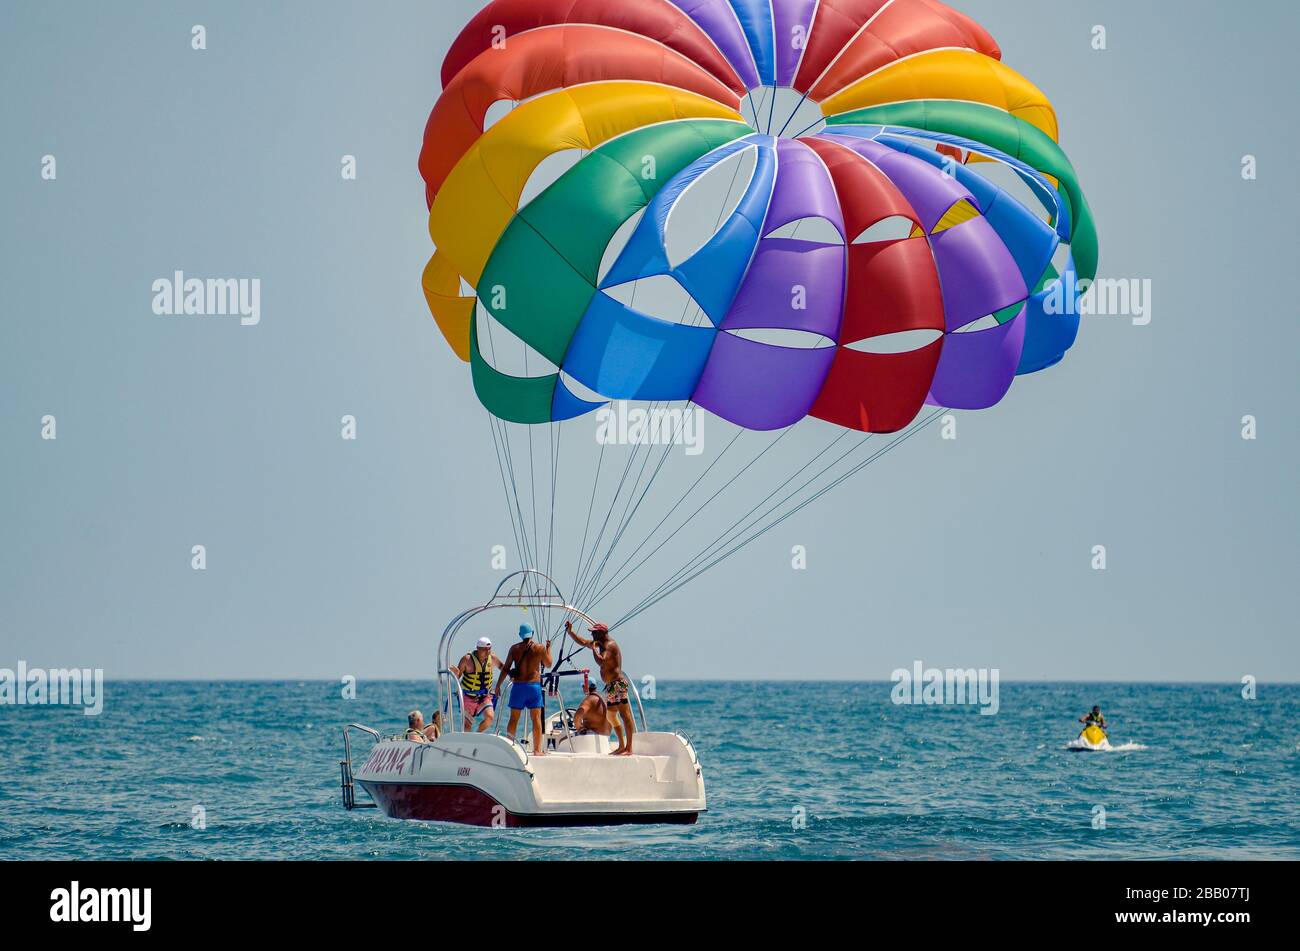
957,75
481,195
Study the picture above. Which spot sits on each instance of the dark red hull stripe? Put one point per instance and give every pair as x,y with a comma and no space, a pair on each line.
449,802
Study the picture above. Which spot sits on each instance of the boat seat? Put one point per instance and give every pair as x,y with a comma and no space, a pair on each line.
590,745
561,779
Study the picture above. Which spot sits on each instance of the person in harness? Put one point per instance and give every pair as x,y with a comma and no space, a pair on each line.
475,673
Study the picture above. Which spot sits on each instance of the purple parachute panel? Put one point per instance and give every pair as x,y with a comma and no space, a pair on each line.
717,19
977,369
793,20
794,287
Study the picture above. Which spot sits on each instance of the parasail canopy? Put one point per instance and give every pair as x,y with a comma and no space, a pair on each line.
845,211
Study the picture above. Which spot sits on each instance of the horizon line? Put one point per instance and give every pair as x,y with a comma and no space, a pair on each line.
724,680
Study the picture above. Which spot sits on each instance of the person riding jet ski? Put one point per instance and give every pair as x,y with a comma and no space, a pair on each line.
1094,718
1093,736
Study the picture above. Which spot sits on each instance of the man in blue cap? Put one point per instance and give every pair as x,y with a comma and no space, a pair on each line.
525,662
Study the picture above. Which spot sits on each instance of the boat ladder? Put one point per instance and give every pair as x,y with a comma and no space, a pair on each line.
345,768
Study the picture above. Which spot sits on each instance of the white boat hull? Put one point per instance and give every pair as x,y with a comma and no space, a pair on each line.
487,780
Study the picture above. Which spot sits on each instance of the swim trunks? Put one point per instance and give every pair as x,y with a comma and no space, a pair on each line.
526,697
616,693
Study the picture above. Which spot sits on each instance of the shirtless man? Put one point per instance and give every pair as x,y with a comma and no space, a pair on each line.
524,662
610,657
592,715
475,674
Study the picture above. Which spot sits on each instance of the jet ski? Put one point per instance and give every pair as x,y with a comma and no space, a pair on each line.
1093,739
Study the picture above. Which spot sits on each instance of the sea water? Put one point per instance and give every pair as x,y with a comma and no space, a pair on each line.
793,771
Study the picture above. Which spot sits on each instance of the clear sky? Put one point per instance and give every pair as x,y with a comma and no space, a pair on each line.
328,557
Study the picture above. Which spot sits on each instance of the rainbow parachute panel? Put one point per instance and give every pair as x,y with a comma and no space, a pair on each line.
882,235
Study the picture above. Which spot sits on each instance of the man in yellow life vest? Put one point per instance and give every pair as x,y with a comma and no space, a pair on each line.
475,674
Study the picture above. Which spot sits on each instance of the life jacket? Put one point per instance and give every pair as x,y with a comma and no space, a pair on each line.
1094,718
477,683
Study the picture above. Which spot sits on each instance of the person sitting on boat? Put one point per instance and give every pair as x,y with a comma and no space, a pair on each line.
1095,717
610,657
415,727
525,661
592,715
475,673
434,729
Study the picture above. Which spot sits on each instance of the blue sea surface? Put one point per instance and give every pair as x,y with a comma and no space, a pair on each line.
1209,776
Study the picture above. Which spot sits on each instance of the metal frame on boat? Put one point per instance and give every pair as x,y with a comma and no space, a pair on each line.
491,780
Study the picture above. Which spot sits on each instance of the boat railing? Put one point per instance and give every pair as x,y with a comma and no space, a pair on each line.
364,729
451,723
519,599
503,685
639,707
564,714
526,575
345,767
506,683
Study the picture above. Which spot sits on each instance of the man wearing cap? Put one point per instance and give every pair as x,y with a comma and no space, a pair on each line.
475,674
525,661
610,657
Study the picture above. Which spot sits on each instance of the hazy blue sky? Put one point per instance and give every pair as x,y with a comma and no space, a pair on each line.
328,557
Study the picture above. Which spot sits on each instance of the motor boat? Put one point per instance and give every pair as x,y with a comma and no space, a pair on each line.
488,779
1093,739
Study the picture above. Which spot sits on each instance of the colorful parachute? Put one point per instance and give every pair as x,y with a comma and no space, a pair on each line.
909,245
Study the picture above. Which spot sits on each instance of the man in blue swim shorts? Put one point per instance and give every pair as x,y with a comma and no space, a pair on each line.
525,662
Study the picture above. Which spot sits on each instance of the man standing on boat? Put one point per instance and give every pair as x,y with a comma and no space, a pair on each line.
524,662
475,674
610,657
